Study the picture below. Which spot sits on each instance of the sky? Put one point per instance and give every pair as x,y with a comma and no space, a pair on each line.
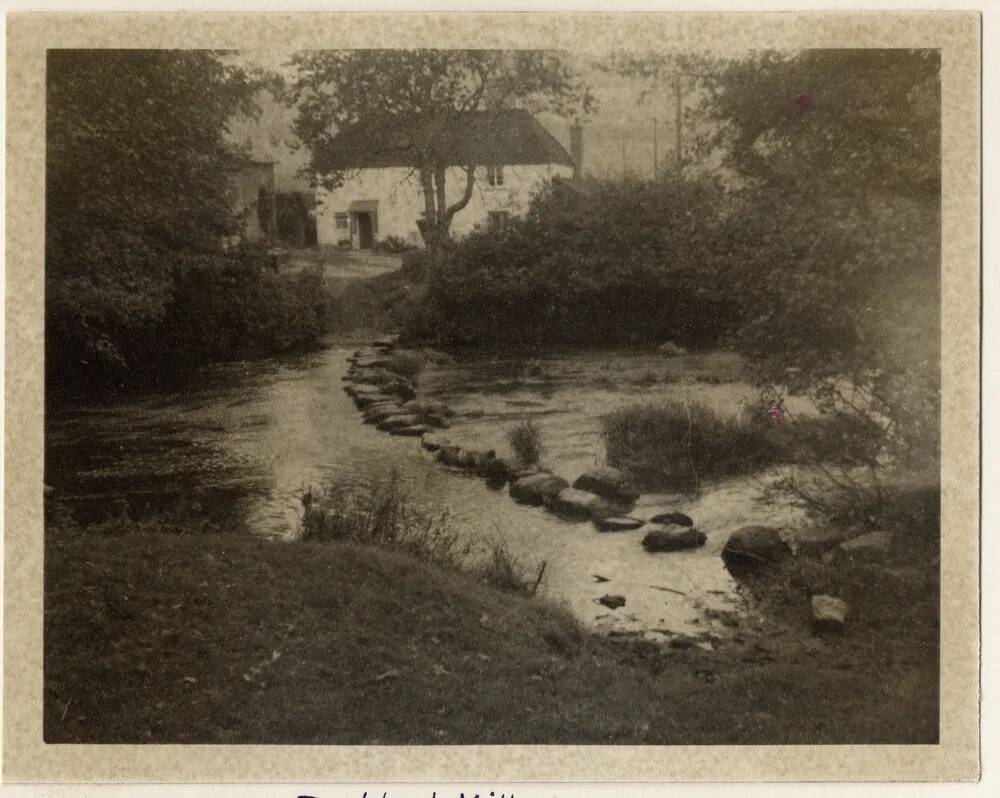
619,136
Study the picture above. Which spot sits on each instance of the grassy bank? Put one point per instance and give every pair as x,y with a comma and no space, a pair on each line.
177,638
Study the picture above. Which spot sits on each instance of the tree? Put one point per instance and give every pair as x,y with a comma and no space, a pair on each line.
138,182
337,88
832,158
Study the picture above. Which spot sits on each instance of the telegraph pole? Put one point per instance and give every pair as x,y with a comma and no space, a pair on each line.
677,115
656,152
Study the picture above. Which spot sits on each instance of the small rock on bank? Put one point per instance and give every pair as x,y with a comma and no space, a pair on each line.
870,546
661,537
829,614
754,548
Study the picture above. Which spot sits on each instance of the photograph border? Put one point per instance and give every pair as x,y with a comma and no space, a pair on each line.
956,757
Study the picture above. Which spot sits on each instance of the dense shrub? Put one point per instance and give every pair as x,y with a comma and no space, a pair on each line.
617,262
140,276
218,307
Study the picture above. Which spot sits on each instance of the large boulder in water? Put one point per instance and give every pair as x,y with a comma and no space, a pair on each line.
581,505
754,548
671,537
537,489
609,483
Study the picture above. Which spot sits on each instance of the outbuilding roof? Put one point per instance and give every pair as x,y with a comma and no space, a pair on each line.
503,136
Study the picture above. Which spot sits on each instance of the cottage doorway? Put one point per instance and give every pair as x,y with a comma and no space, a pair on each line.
365,231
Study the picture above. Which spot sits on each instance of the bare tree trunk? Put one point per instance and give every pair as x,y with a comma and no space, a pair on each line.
437,213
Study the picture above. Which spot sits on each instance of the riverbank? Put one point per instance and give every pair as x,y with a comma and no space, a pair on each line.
229,639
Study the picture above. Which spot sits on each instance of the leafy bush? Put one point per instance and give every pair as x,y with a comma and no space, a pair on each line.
525,439
620,262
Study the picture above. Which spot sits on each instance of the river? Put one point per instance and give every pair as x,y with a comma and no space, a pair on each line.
241,442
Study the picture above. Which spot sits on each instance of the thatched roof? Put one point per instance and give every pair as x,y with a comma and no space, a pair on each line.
504,136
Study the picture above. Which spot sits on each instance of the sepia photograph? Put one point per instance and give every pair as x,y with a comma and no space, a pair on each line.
555,391
492,396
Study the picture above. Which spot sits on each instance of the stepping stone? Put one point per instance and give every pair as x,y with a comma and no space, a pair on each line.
609,483
362,388
397,422
621,523
411,432
580,505
672,518
537,489
364,400
660,537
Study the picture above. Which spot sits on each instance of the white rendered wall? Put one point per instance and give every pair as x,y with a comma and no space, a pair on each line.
401,200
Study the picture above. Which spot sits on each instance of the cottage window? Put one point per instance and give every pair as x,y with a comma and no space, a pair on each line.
494,176
342,220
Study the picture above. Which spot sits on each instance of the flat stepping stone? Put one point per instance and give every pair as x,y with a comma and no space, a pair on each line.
680,519
362,388
580,505
397,422
660,537
376,415
411,432
364,400
618,523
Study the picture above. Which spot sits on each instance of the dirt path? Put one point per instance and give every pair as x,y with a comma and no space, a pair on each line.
342,264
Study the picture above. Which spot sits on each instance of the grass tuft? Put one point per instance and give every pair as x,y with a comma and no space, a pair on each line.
505,571
525,439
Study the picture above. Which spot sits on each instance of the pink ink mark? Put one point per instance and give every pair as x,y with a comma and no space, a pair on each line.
804,103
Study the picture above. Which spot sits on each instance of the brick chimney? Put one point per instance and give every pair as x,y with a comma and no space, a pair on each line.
576,148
